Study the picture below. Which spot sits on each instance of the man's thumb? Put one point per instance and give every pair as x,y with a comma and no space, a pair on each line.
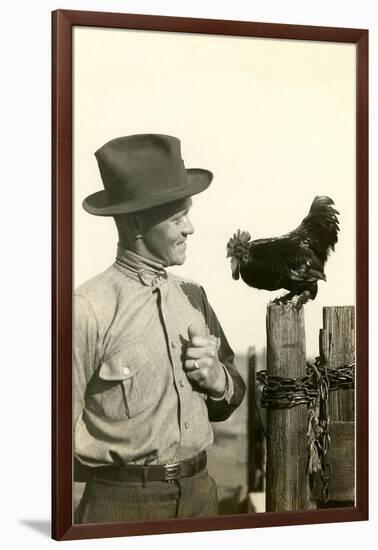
192,331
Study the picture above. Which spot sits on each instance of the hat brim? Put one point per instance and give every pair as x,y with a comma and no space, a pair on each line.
99,204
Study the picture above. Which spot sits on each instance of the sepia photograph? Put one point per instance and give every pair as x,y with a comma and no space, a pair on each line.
214,277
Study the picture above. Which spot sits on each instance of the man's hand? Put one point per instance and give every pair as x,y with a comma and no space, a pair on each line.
202,365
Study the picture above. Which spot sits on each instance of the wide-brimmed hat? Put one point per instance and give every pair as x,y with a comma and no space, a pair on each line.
143,171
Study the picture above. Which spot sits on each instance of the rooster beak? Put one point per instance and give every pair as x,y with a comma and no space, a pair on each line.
235,268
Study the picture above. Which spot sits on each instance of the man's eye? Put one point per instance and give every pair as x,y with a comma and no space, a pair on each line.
179,217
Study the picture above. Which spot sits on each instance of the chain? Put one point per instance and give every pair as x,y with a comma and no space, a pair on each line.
284,393
313,389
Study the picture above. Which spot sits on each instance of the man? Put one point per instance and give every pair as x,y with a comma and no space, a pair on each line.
152,367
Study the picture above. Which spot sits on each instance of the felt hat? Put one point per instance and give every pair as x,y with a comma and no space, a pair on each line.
142,171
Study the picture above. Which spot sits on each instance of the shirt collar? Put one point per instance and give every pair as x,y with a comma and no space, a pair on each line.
148,272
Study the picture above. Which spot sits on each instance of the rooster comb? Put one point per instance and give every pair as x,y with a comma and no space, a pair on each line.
240,237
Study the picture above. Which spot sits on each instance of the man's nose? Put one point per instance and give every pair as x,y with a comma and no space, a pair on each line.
189,227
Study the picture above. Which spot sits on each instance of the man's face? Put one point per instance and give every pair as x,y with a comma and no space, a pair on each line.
165,230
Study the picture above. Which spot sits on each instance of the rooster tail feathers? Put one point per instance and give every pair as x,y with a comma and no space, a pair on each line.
321,225
322,202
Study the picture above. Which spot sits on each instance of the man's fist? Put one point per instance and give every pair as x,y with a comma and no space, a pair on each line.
202,365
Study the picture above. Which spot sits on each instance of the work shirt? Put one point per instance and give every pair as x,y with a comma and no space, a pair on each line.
133,402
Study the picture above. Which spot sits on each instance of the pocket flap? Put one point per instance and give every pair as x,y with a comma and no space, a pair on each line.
123,364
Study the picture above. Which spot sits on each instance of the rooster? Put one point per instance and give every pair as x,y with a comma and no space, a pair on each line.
294,261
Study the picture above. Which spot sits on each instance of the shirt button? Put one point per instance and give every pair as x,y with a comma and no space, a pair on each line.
186,425
126,370
173,344
181,383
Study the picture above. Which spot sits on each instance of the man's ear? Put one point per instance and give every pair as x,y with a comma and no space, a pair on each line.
136,225
128,225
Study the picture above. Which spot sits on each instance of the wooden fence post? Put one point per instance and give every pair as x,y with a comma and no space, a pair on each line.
337,347
287,486
256,431
251,418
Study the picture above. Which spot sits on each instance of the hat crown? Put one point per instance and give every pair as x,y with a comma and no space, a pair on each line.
143,171
141,165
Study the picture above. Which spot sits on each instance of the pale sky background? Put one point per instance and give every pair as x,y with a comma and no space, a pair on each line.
274,120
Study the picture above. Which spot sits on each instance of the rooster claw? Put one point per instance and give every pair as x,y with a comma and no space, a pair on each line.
297,301
294,303
282,299
287,307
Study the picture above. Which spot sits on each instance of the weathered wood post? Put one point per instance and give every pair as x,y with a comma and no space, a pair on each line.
251,418
337,347
256,433
287,486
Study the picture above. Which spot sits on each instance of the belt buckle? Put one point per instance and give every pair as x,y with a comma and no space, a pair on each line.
171,471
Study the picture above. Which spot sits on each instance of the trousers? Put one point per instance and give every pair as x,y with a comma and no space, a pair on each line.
106,501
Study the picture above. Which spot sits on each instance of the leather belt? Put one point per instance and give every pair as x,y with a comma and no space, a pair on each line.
158,472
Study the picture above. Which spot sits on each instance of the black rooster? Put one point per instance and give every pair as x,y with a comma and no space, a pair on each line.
294,261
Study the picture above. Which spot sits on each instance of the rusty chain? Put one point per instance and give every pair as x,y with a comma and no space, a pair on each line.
312,389
283,393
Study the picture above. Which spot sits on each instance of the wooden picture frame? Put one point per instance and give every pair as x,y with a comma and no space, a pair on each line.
63,23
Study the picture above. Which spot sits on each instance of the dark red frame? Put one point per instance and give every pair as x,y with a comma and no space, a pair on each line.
62,23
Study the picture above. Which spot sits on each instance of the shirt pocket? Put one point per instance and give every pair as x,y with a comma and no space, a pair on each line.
125,376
